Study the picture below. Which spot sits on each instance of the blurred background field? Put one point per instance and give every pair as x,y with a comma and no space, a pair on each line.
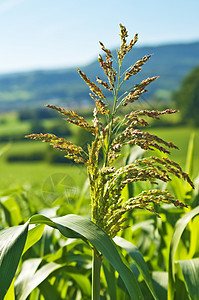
32,161
32,77
38,66
42,44
24,161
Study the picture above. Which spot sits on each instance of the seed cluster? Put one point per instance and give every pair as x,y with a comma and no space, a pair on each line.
136,67
111,134
107,66
73,118
102,108
93,87
137,91
71,151
125,48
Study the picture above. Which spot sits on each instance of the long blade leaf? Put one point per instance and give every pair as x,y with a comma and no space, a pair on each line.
77,226
39,277
190,270
138,259
178,230
12,242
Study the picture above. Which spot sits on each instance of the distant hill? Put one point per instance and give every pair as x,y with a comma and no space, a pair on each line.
32,89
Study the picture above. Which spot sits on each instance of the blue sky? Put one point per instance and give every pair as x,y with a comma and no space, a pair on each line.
40,34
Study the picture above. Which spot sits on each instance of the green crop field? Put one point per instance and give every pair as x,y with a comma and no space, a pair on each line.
180,136
10,125
101,202
35,173
41,187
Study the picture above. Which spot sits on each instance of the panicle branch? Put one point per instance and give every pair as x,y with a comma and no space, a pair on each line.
124,48
104,84
72,151
146,198
150,113
107,182
108,70
93,87
73,118
138,90
102,108
136,67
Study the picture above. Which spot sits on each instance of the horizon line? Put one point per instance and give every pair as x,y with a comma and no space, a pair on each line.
70,67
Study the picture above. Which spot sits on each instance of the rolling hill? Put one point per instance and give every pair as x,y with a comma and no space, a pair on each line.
32,89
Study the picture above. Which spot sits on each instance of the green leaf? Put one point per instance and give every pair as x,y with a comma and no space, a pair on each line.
11,210
77,226
10,295
40,219
83,282
190,270
160,280
190,153
194,234
109,272
34,235
138,260
12,242
178,230
26,274
39,277
48,291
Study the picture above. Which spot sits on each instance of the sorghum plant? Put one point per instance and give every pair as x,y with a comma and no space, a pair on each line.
107,182
112,131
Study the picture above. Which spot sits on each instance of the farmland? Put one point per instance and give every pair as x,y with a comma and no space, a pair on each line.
38,182
35,172
33,184
101,202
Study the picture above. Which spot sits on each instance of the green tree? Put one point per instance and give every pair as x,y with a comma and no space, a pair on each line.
187,98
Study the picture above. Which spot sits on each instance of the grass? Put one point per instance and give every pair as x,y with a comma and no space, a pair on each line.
180,137
37,173
10,125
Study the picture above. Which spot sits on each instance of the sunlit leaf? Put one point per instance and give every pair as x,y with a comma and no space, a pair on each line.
10,295
160,280
34,235
83,282
11,210
26,274
77,226
110,279
190,270
190,153
12,241
194,234
178,230
138,260
39,277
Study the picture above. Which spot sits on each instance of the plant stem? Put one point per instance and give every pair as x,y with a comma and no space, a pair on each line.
115,96
96,266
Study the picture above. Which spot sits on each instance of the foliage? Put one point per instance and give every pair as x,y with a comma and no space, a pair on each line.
54,263
187,98
116,191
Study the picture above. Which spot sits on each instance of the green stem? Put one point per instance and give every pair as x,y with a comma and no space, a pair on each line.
115,96
96,266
